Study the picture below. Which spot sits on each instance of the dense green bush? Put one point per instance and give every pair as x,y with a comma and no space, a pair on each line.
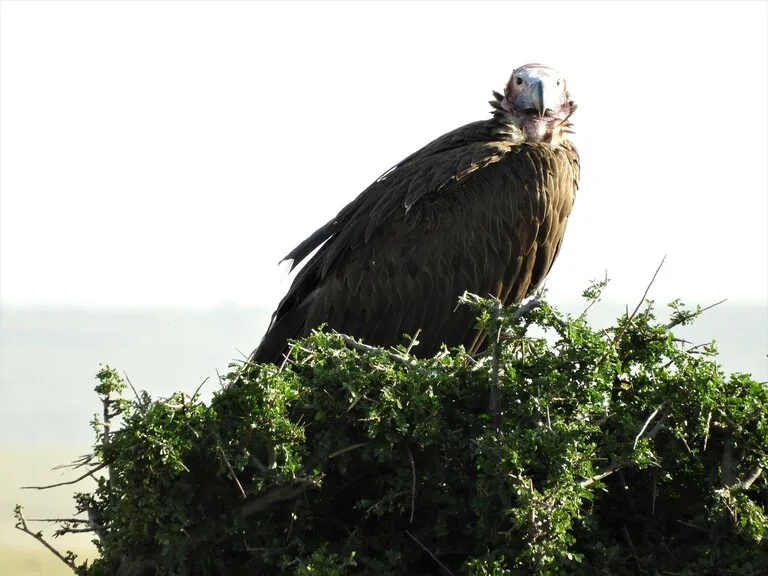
563,450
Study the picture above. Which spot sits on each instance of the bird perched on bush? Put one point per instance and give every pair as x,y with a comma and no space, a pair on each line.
481,209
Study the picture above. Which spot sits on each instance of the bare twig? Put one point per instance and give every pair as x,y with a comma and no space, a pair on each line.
221,380
413,481
523,309
360,347
389,497
284,361
105,437
695,348
253,460
201,385
494,403
21,524
62,531
346,449
494,400
81,461
630,317
244,369
60,520
278,494
699,528
632,547
706,434
232,471
618,465
731,424
428,551
645,425
355,401
68,482
602,474
135,393
750,478
658,426
286,356
414,341
675,323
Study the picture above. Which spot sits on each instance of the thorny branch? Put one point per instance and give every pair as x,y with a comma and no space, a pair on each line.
495,395
346,449
76,530
360,347
59,520
413,482
497,312
107,402
232,471
728,462
616,466
68,482
414,341
495,401
139,399
631,317
21,524
431,555
607,471
81,461
674,323
94,525
598,294
645,425
278,494
750,478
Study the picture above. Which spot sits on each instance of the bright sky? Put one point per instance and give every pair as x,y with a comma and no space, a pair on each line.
172,152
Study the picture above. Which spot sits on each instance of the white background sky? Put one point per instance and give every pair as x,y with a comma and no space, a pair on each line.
172,152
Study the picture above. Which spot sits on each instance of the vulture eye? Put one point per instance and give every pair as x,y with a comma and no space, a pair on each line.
518,80
559,81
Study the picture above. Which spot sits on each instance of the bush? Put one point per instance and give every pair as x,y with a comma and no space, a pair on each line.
563,450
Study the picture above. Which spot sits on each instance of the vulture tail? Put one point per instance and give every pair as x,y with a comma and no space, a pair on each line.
273,347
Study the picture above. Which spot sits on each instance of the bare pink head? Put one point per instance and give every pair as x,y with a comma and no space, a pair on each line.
536,97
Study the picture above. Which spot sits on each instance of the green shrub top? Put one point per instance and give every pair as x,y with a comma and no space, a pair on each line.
562,450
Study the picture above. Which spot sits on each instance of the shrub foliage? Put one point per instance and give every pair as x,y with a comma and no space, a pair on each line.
564,449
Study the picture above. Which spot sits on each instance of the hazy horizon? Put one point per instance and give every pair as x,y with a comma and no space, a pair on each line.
162,349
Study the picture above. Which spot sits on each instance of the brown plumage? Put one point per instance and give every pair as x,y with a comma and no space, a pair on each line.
482,209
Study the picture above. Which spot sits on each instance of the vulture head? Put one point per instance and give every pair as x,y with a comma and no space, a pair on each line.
538,103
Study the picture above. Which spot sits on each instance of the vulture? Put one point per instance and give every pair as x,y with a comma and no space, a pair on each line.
481,209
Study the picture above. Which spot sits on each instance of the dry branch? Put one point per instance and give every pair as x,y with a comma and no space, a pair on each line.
68,482
21,524
428,551
631,317
360,347
277,494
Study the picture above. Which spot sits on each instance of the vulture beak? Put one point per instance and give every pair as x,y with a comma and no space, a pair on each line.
543,97
537,96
